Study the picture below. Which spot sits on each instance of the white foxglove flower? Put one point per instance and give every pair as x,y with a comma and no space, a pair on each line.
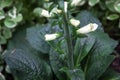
56,11
45,13
77,2
74,22
59,11
88,28
50,37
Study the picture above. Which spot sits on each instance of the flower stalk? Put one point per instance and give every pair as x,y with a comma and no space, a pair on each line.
68,38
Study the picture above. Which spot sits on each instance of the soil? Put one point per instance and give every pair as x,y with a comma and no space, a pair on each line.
114,34
116,63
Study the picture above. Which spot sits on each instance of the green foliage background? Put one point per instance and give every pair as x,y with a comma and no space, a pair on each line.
107,11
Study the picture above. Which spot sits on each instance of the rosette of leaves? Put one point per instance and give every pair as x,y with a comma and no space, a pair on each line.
30,57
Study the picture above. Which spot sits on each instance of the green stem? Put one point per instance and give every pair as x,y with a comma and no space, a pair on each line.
69,41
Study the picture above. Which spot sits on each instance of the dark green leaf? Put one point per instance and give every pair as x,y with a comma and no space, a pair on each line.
57,63
36,36
75,74
27,66
99,58
110,5
93,2
10,23
82,48
7,33
5,3
97,45
110,75
117,6
18,18
2,14
113,17
19,41
2,40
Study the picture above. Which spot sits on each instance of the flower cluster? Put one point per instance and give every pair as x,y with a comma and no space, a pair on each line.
84,30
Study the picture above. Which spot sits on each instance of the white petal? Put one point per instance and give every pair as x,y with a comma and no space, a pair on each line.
45,13
49,37
95,26
75,2
59,11
88,28
74,22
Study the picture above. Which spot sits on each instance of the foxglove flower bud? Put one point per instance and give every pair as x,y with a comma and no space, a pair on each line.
74,22
77,2
88,28
59,11
45,13
50,37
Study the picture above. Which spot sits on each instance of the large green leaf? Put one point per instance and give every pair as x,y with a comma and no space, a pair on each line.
75,74
99,58
96,47
2,14
110,5
113,17
117,6
57,62
9,23
82,48
7,33
93,2
19,41
5,3
27,66
35,36
110,75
